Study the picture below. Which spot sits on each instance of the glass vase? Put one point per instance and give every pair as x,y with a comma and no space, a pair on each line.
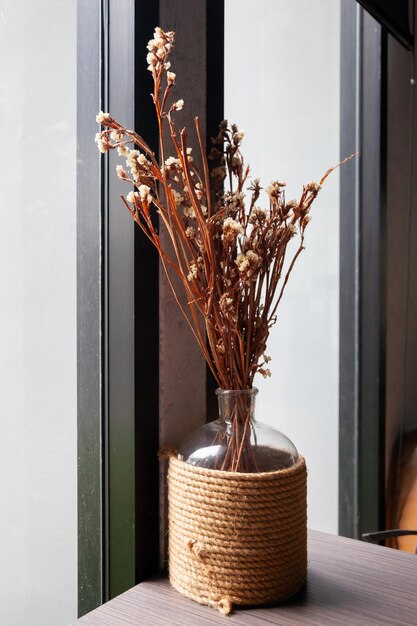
236,441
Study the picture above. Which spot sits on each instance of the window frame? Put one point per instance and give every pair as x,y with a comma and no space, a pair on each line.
89,309
119,357
362,274
119,308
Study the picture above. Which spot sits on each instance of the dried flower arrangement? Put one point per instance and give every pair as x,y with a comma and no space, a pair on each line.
229,253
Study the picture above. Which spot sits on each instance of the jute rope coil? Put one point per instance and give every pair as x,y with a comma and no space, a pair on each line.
234,538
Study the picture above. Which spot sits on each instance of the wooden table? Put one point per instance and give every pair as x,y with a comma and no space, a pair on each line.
350,583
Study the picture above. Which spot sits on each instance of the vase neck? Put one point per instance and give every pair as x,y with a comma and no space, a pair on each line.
236,405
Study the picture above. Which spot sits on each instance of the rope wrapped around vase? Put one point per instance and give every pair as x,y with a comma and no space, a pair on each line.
236,538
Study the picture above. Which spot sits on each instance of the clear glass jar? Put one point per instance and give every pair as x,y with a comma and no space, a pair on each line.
236,442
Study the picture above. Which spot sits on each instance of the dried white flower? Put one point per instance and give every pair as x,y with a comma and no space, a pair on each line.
258,214
199,190
314,187
178,198
189,212
102,142
238,136
179,104
171,76
252,256
116,135
193,272
102,146
231,229
248,265
144,192
242,262
121,172
275,188
151,59
132,157
102,118
190,232
132,196
136,161
234,201
172,162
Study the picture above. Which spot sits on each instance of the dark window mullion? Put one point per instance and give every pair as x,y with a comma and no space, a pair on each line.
362,275
120,335
215,114
146,326
89,309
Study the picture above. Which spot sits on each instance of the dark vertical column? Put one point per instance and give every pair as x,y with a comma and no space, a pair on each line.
89,308
146,325
362,274
131,318
120,315
372,278
215,114
401,247
349,272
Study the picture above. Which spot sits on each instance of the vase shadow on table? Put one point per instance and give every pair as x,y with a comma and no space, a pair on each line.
297,599
320,590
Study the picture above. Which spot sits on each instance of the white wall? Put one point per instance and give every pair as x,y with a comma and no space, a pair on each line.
282,88
38,533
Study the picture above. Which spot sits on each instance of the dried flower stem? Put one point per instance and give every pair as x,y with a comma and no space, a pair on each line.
228,254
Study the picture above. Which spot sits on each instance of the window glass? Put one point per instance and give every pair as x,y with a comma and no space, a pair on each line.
38,458
282,67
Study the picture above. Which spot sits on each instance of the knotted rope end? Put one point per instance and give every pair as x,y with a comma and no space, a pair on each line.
166,452
196,548
224,605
